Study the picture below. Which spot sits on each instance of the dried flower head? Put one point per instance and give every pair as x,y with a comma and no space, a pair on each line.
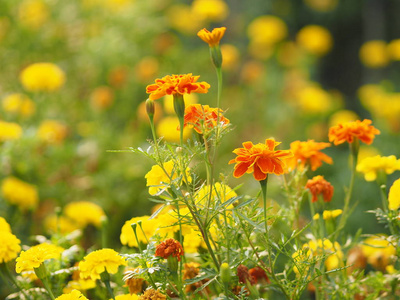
212,38
259,159
132,281
204,118
319,186
308,153
362,130
169,247
152,294
243,275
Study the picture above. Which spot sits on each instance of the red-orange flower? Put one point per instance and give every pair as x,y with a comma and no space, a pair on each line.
176,84
212,38
260,159
203,118
243,275
308,153
348,131
169,247
319,186
258,274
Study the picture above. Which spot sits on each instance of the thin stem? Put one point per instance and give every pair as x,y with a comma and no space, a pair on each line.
48,289
6,271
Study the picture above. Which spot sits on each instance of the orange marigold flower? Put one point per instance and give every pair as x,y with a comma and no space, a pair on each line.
203,118
348,131
170,247
260,159
317,186
176,84
308,153
258,274
212,38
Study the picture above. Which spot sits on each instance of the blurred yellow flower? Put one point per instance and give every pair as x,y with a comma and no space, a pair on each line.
267,30
378,251
36,255
231,56
9,246
73,295
100,261
127,236
80,285
315,39
260,50
168,101
9,131
168,129
20,193
322,5
146,69
342,116
393,49
60,224
370,166
182,18
18,104
313,99
366,151
220,193
252,72
42,77
52,132
4,226
192,241
394,195
101,97
33,13
329,214
84,213
210,10
373,54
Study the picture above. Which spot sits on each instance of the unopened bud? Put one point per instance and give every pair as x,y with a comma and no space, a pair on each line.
225,273
150,108
216,56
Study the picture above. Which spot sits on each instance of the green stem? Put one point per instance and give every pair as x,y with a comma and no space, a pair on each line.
47,287
7,273
105,276
263,184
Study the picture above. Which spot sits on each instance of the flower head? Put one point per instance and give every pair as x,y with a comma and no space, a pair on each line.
36,255
18,104
317,186
127,236
20,193
361,130
169,247
42,77
4,226
370,166
176,84
152,294
329,214
52,132
394,195
378,251
74,295
315,39
9,131
84,213
308,153
260,159
204,118
258,274
132,281
212,38
9,246
100,261
243,275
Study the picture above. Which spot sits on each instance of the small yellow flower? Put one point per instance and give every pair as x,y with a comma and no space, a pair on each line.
373,54
52,132
220,192
231,56
35,256
331,214
315,39
192,241
20,193
73,295
267,30
84,213
9,131
393,49
182,18
370,166
60,224
210,10
42,77
378,251
127,236
9,246
314,100
100,261
18,104
212,38
394,195
33,13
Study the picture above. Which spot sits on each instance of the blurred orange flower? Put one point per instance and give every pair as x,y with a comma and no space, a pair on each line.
176,84
317,186
203,118
348,131
169,247
260,159
212,38
308,153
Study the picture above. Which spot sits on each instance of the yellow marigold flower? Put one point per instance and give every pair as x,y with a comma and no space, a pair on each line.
231,56
329,214
370,166
314,100
322,5
168,129
9,131
212,38
373,54
308,153
267,30
80,285
210,10
20,193
60,224
393,49
182,18
101,97
192,241
4,226
33,13
100,261
126,297
394,195
36,255
151,294
9,246
84,213
220,192
73,295
42,77
315,39
157,179
52,132
378,251
127,236
18,104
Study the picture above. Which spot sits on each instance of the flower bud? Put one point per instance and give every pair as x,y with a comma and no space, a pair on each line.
216,56
225,273
150,109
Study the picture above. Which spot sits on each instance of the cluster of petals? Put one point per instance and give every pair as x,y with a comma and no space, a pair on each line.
370,166
212,38
169,247
204,118
152,294
9,243
308,153
73,295
347,132
319,186
260,159
394,195
36,255
100,261
176,84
